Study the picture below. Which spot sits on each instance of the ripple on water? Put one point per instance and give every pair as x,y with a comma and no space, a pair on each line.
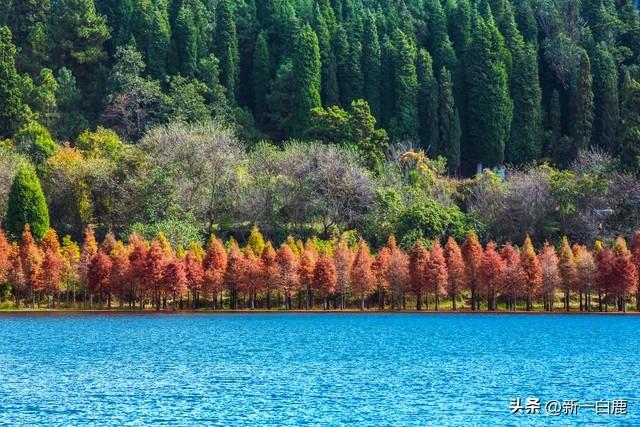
297,369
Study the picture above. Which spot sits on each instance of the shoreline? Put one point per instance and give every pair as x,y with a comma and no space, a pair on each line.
45,311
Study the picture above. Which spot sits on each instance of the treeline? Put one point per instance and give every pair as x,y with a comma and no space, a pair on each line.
474,81
334,274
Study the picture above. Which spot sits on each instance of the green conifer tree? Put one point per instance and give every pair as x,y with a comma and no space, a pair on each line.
306,77
227,48
372,65
606,99
582,107
260,77
490,108
405,125
26,204
525,139
10,86
449,132
428,104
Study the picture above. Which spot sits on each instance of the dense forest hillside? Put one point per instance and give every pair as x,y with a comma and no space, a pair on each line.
321,116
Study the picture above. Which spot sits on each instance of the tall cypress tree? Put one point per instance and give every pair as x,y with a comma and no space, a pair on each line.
227,48
449,132
10,91
438,42
404,125
186,40
372,66
628,141
26,204
428,104
387,96
306,77
582,107
525,139
606,100
157,51
330,90
260,77
248,29
348,67
490,108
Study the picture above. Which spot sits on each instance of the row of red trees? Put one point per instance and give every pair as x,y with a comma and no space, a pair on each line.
142,273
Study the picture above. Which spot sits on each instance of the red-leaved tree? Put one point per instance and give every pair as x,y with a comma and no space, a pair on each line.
418,257
491,274
550,274
325,278
456,271
435,273
472,254
362,278
531,269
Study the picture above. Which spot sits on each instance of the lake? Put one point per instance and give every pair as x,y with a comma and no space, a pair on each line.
315,369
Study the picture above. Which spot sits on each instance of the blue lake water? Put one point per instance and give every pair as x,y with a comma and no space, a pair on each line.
313,369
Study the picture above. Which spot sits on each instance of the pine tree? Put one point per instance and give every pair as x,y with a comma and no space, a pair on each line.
606,100
449,132
525,138
405,125
306,77
490,108
428,104
26,204
28,24
78,33
372,66
582,107
227,48
260,77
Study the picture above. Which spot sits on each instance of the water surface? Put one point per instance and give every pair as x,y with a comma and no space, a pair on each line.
313,369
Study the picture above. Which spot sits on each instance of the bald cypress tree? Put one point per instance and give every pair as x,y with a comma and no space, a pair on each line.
226,43
582,107
428,104
10,92
449,133
490,108
405,125
606,99
372,66
306,77
525,139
